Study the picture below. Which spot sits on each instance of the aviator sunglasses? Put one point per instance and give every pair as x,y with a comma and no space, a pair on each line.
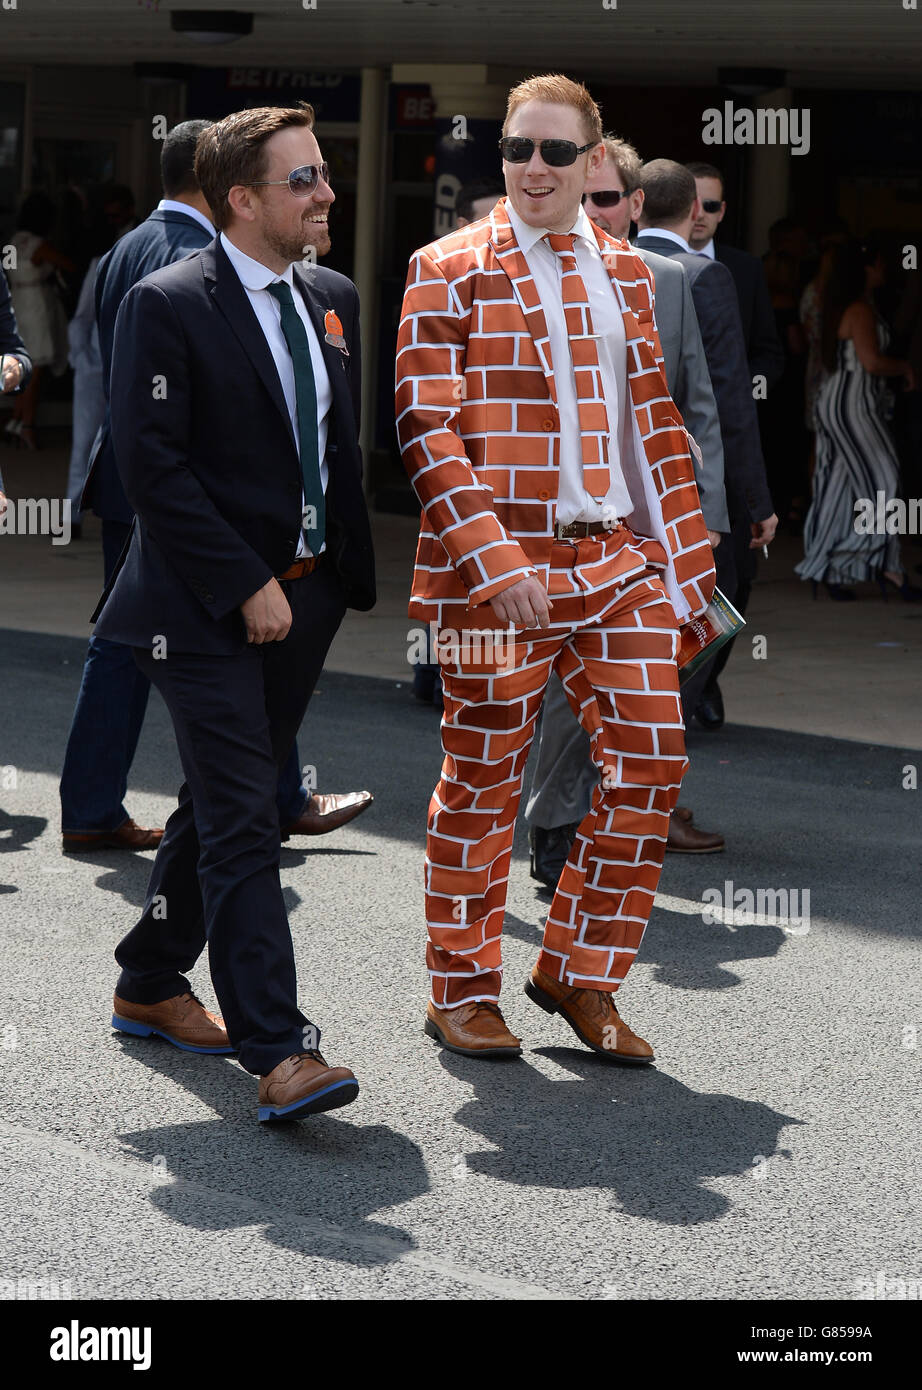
301,181
710,205
607,197
518,149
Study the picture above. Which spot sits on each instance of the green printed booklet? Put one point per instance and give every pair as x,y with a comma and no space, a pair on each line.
703,637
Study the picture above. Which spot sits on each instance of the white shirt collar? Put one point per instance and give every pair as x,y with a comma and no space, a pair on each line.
528,236
664,232
170,205
707,250
253,274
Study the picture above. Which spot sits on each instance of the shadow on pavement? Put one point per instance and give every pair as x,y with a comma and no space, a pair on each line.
615,1129
326,1170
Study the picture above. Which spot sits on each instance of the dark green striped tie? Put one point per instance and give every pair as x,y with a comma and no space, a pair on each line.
306,395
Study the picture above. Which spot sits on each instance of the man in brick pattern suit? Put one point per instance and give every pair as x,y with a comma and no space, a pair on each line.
558,501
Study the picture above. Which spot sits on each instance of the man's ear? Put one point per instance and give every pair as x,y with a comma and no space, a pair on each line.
636,204
241,201
596,156
723,209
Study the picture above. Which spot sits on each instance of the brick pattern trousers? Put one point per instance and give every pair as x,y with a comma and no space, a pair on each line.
613,642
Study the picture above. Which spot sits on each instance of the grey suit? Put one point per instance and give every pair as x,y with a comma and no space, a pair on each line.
565,774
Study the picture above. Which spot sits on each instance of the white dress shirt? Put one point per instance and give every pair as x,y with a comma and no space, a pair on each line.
170,205
707,250
255,277
668,234
574,503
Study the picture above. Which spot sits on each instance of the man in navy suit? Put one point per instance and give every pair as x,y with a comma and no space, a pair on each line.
235,398
113,693
671,205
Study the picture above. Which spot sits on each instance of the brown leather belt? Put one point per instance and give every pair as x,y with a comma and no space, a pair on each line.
578,530
300,568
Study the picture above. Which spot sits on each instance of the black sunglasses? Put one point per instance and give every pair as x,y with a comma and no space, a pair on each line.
710,205
301,181
517,149
607,197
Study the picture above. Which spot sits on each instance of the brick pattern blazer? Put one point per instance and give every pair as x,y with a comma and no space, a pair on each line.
479,428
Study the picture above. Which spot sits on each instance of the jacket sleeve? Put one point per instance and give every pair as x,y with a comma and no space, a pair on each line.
431,347
150,403
695,398
10,341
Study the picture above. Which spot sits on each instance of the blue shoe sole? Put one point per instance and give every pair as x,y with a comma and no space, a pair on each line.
330,1098
144,1030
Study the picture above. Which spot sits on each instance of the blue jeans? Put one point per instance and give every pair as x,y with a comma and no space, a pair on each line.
107,724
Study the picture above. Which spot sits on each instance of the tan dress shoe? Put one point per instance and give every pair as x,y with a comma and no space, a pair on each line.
592,1015
324,813
182,1020
685,838
474,1030
304,1084
129,835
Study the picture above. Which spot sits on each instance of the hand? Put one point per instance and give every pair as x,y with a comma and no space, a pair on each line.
11,373
266,614
763,532
524,603
714,538
3,503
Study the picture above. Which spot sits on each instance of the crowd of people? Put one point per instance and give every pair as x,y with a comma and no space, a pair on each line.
601,405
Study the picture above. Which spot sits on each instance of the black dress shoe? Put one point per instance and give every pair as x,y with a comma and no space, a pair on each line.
710,711
550,850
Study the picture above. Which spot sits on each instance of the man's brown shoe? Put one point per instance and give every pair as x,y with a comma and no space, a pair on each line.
182,1020
127,836
304,1085
683,813
685,838
592,1015
474,1030
325,813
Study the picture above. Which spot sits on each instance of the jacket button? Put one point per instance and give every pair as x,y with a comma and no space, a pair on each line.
547,425
544,495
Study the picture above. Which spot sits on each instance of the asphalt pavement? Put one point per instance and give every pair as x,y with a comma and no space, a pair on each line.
772,1152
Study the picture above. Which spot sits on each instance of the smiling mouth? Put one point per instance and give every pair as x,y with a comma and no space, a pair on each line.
538,192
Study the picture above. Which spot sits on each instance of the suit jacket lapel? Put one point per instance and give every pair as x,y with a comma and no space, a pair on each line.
231,299
511,259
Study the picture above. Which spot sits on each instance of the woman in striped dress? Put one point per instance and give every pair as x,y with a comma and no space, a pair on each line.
855,457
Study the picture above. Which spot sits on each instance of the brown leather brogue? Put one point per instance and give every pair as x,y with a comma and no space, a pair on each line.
183,1020
129,835
685,838
477,1029
304,1084
683,813
324,813
592,1015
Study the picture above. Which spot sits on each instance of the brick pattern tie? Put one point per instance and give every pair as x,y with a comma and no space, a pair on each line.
590,398
306,397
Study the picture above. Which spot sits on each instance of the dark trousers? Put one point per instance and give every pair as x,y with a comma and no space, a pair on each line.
216,875
106,726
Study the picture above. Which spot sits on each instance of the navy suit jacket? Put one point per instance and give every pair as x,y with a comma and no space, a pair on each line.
207,456
10,341
714,298
763,346
164,237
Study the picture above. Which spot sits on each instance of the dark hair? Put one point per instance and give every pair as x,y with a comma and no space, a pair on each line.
470,193
845,284
231,151
668,192
177,158
36,215
700,170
